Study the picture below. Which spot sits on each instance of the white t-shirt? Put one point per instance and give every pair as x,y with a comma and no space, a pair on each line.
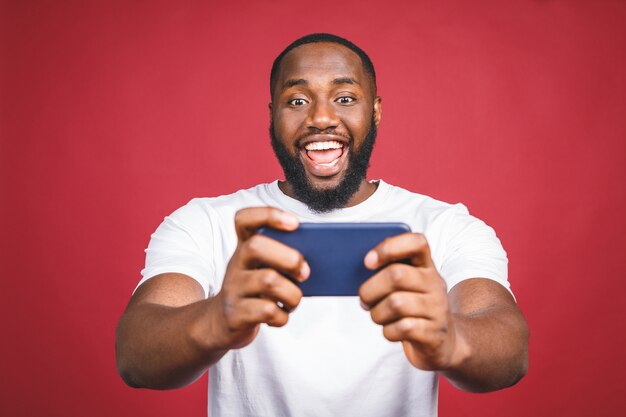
330,359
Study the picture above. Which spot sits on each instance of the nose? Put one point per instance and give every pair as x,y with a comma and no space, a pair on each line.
322,116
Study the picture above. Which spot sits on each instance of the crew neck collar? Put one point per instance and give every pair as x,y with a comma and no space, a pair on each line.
354,213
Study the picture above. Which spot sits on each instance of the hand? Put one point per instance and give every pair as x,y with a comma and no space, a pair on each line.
411,302
254,290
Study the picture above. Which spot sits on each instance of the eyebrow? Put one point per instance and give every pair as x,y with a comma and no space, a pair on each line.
345,80
293,82
301,81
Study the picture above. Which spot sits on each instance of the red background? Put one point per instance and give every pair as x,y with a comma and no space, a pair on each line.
115,113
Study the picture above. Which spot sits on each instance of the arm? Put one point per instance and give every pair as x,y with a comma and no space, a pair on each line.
170,334
488,321
475,336
154,344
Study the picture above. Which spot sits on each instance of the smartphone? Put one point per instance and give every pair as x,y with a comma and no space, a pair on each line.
335,253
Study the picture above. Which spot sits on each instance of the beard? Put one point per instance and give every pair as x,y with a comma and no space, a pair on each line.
326,199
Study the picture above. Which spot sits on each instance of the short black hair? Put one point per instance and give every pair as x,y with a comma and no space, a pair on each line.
322,37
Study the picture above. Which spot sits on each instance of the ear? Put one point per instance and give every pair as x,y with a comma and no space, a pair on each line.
378,110
269,106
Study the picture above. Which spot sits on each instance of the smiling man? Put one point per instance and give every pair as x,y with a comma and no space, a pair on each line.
323,124
215,294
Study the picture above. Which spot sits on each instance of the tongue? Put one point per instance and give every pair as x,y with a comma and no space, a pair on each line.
324,157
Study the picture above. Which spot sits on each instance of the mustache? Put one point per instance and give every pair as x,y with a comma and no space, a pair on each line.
315,131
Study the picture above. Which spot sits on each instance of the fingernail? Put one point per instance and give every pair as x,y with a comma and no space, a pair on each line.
305,271
289,220
371,259
363,306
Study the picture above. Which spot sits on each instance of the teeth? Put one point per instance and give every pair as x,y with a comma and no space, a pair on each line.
322,146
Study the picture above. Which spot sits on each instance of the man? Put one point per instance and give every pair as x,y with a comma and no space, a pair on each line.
214,293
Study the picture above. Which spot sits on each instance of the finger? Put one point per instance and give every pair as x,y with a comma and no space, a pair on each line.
267,283
253,311
411,246
394,277
248,220
399,305
262,251
414,329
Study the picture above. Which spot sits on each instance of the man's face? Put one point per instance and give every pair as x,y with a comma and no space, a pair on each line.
324,119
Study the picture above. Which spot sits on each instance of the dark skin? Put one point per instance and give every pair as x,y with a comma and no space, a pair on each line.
474,335
320,96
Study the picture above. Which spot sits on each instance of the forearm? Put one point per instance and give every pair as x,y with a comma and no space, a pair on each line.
493,346
157,346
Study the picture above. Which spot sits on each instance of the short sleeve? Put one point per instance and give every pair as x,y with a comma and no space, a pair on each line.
182,244
471,249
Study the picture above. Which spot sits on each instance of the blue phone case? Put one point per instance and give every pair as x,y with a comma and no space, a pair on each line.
335,253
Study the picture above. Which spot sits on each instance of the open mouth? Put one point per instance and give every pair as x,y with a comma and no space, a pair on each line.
324,154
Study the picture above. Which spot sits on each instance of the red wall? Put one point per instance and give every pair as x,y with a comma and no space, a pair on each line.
116,113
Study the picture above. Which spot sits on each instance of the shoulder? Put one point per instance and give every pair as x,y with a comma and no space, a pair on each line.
202,208
462,246
425,211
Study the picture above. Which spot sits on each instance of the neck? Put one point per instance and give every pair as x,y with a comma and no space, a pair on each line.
366,189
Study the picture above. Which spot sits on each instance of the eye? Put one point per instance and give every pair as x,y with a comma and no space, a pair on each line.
345,100
296,102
